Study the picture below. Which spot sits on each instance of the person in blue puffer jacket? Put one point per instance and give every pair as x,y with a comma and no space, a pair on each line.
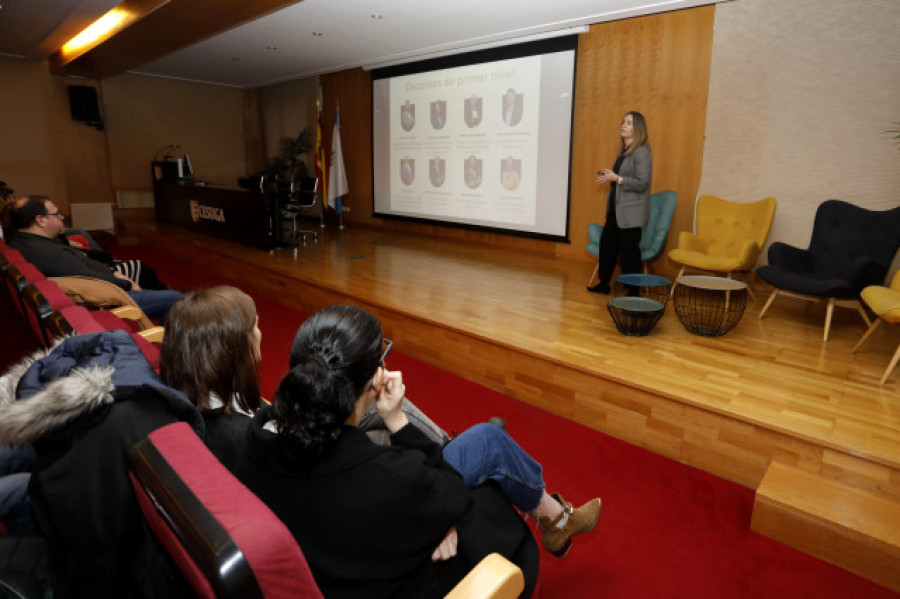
81,406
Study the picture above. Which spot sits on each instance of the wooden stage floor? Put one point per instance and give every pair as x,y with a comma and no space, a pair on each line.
524,325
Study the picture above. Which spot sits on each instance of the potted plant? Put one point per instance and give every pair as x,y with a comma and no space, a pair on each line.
289,165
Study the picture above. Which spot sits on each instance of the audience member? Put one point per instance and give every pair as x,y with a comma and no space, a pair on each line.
81,406
7,198
15,472
6,192
211,352
407,520
37,223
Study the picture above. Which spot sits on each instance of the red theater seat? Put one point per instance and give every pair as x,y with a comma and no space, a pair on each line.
18,276
228,543
225,540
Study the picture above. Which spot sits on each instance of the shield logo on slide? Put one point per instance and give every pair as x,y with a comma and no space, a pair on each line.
472,171
510,173
408,116
472,111
438,114
407,170
436,171
512,107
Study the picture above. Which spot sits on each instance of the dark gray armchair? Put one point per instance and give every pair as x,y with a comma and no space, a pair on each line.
851,248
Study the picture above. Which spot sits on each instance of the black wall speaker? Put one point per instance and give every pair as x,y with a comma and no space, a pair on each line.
84,105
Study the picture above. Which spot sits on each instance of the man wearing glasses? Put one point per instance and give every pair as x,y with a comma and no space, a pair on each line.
37,223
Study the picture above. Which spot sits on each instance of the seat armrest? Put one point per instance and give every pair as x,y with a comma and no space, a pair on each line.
97,293
865,271
153,334
689,241
495,577
656,241
129,312
749,254
789,257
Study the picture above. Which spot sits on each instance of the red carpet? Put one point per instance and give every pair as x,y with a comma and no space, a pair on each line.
666,530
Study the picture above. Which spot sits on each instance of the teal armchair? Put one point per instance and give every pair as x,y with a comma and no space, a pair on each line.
653,236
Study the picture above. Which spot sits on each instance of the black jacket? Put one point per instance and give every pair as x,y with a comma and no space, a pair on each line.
369,517
55,258
81,407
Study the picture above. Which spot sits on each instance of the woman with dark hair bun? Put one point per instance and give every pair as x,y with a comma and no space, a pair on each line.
407,520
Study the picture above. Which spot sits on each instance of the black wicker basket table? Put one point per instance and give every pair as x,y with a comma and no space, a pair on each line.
635,315
641,285
709,306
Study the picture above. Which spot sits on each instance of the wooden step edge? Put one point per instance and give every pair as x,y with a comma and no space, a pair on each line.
853,529
856,512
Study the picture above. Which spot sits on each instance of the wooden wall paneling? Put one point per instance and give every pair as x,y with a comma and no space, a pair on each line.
144,114
658,64
31,156
288,108
84,150
353,91
254,133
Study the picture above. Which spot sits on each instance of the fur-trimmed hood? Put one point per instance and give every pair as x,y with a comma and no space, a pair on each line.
53,387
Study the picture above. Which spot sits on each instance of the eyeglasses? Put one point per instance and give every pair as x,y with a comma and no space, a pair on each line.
56,214
388,344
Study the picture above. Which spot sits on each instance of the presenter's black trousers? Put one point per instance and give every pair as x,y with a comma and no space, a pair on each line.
618,245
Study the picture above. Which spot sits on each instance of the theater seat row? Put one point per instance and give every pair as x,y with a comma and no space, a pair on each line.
50,313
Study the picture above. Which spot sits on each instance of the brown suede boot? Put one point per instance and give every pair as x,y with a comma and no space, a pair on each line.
558,540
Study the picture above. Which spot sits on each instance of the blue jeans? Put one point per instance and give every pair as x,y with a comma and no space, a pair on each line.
155,302
486,451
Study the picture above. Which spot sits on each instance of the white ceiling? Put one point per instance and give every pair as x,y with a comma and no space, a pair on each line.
314,37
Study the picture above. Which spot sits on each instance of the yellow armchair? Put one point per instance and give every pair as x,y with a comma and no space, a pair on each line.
729,236
885,303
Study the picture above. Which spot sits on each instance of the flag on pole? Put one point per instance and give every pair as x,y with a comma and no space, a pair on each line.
321,169
336,173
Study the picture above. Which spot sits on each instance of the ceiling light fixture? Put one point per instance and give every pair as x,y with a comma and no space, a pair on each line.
99,29
376,16
102,29
317,34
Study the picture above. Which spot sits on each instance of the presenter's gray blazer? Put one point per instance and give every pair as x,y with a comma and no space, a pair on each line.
633,195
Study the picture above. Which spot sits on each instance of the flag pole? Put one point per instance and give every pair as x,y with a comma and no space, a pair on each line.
337,109
319,142
337,174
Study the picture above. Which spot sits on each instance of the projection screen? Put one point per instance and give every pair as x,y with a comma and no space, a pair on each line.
478,140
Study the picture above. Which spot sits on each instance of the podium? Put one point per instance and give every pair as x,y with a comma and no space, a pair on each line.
164,171
249,217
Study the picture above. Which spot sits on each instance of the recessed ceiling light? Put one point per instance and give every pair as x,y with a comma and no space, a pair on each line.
273,48
376,16
317,34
